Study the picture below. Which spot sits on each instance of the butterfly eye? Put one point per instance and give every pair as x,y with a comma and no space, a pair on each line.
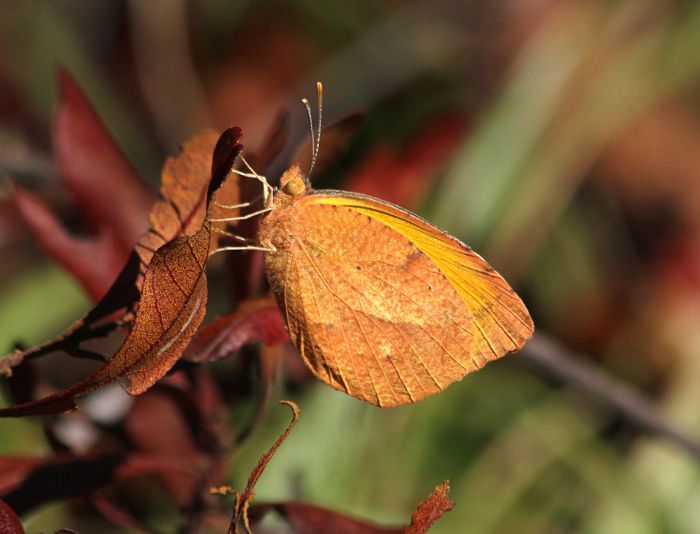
295,186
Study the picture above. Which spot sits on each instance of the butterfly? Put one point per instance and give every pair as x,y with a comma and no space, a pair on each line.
380,303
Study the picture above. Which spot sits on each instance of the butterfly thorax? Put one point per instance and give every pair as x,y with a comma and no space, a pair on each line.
278,227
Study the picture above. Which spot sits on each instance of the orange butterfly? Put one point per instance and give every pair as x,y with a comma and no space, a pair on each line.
380,303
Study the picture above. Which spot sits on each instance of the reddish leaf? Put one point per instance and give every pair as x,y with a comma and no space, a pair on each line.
9,522
109,192
106,185
13,471
172,306
312,519
431,509
91,261
254,320
403,176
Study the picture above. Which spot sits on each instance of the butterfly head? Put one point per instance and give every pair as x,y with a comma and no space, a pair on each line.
294,183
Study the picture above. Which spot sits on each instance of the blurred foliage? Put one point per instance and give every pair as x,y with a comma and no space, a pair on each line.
567,180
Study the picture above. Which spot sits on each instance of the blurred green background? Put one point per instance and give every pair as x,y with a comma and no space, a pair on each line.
578,178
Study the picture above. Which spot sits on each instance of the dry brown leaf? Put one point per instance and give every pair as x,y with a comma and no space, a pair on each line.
181,206
172,306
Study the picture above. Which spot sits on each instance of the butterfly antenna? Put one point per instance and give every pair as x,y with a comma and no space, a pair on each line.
319,97
313,137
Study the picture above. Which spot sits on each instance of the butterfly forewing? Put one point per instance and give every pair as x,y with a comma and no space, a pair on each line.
383,305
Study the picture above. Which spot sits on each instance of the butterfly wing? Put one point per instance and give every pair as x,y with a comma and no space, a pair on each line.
385,306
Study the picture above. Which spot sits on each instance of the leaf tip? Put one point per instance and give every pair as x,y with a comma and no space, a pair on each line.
65,81
431,509
295,410
227,149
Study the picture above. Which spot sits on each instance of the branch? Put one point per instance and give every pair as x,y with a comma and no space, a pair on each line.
557,361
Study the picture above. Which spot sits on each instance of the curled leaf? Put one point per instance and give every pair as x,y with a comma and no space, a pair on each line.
240,511
172,306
